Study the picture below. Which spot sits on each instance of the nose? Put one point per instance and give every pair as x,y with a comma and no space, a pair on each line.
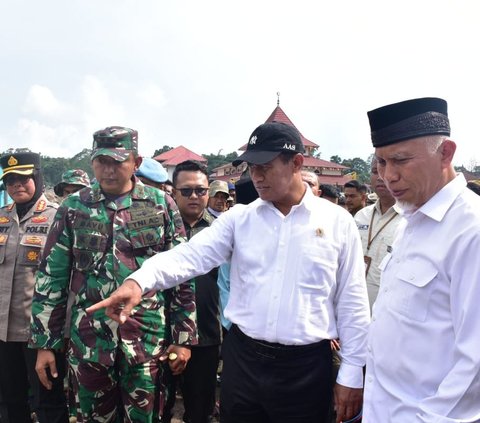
388,173
255,174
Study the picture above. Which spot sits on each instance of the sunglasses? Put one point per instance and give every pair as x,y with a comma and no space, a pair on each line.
13,179
187,192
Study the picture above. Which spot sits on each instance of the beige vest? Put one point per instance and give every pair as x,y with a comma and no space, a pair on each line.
21,247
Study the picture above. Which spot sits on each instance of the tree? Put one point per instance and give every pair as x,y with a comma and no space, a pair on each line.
360,167
216,160
336,159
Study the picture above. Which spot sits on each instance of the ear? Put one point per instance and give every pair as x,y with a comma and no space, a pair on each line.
297,162
138,162
447,151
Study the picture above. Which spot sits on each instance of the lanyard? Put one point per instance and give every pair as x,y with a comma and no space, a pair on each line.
370,239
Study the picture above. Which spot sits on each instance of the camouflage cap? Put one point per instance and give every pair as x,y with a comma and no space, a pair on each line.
72,177
116,142
218,186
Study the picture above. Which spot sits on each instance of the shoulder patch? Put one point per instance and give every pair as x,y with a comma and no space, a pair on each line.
41,206
4,219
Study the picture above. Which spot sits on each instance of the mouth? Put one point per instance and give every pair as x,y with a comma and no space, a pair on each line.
398,193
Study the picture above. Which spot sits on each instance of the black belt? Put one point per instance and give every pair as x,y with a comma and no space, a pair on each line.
276,350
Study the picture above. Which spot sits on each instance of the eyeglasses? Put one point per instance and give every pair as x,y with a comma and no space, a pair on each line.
13,179
187,192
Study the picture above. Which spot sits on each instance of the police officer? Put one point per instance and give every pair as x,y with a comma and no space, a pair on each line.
100,236
24,225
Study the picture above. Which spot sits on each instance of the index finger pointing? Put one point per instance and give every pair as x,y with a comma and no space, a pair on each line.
98,306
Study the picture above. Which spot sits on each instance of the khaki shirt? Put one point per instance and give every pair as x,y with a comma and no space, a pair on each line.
382,234
21,246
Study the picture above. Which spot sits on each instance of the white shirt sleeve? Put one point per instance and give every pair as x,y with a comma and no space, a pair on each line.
208,249
352,312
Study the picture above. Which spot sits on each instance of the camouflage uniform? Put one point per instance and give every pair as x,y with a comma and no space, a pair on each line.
95,243
72,177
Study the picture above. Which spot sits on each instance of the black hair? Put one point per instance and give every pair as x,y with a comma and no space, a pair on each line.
362,188
188,166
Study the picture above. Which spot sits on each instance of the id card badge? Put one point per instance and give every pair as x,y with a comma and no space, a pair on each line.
367,260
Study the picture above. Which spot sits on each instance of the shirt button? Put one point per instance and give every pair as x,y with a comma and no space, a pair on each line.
374,318
370,379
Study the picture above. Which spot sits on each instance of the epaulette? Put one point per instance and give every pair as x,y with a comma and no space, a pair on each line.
41,206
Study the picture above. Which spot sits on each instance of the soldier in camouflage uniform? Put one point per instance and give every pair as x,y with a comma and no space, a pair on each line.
24,225
72,181
100,235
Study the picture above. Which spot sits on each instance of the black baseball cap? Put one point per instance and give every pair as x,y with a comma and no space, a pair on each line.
268,141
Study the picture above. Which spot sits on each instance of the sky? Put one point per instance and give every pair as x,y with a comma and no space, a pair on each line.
204,74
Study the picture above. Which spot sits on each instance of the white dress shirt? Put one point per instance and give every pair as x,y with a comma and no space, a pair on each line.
382,234
295,279
423,360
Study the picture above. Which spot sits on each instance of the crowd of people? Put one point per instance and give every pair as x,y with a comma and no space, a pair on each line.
134,288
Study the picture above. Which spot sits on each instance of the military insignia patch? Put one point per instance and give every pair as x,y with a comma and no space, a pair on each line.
33,255
12,161
3,239
4,219
33,240
39,219
41,206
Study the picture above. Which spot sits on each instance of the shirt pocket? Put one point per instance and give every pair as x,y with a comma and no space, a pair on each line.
3,247
88,250
30,250
318,266
412,296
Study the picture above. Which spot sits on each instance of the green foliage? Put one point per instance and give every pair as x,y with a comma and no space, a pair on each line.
53,167
336,159
216,160
360,166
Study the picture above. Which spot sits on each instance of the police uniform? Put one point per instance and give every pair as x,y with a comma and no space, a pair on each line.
21,244
95,243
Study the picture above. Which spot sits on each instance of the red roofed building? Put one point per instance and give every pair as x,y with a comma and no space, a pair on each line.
327,172
170,159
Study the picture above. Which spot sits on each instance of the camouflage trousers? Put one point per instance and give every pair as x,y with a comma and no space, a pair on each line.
119,393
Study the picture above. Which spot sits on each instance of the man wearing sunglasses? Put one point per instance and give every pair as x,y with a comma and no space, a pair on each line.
24,225
198,382
297,281
100,236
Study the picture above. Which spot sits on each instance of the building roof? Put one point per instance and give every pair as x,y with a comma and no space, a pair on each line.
278,115
178,155
309,161
334,180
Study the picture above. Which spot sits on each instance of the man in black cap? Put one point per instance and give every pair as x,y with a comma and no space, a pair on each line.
423,361
24,225
297,281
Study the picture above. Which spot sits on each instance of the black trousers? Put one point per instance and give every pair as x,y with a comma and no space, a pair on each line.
271,383
198,385
18,377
